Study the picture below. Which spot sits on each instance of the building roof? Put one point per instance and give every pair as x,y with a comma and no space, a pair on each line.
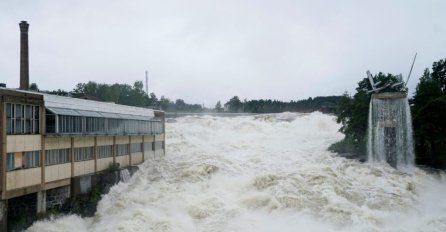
62,105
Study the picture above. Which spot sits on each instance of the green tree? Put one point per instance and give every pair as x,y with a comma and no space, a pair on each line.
153,100
430,133
234,104
218,107
33,87
439,74
164,103
180,105
429,117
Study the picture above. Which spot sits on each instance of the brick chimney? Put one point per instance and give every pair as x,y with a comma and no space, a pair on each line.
24,58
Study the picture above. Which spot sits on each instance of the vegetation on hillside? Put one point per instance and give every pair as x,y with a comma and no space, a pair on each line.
324,104
428,112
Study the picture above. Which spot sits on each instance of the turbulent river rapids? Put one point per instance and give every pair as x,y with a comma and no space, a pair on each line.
263,173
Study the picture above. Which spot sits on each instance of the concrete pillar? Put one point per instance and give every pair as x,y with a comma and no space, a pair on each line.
3,215
24,58
41,204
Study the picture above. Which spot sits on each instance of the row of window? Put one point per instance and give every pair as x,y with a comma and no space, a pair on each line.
122,149
57,156
92,125
104,151
31,159
22,119
83,153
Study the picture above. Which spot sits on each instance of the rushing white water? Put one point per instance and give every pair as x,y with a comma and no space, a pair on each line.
263,173
390,136
124,175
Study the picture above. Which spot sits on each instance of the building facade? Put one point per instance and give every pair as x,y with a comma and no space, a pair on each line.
47,140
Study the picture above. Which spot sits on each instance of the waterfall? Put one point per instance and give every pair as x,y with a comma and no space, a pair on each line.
390,131
125,175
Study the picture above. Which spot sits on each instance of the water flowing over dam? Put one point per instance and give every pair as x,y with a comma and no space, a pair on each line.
263,173
390,136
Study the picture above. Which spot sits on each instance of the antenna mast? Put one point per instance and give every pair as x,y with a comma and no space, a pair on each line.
147,82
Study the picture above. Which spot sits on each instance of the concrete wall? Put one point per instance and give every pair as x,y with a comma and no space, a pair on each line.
83,167
102,141
136,139
23,178
123,160
19,143
83,141
57,172
159,137
137,158
149,138
104,163
57,143
122,139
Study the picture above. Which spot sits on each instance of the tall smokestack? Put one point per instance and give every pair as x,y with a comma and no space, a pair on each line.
24,58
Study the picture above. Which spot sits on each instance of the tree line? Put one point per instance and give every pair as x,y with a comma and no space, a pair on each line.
136,96
324,104
124,94
428,107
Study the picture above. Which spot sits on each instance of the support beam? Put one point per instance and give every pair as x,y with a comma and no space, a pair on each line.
3,215
41,204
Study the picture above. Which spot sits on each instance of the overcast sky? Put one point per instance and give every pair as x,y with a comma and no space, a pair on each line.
205,51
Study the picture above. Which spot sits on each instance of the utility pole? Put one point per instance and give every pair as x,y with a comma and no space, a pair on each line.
147,82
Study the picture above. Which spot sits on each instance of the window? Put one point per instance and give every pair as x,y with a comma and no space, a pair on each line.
95,125
67,124
70,124
18,119
10,165
122,149
22,119
157,127
50,121
157,145
32,159
57,156
135,147
9,120
83,153
104,151
148,146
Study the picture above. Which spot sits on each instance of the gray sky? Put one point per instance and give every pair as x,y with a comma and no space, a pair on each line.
205,51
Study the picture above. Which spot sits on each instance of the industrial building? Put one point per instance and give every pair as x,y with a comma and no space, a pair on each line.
49,141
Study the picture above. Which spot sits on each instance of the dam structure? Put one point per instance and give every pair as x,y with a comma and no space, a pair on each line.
390,138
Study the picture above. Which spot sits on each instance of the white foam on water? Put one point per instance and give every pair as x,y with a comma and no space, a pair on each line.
263,173
124,175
